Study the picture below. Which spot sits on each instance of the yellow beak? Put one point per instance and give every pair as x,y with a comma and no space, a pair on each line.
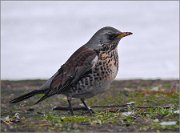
123,34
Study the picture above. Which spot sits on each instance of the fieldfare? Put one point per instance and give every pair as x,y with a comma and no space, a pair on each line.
88,72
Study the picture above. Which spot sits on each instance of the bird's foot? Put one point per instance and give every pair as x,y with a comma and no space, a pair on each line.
67,108
74,109
60,108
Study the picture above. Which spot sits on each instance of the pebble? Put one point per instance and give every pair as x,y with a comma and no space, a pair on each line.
127,113
176,112
168,123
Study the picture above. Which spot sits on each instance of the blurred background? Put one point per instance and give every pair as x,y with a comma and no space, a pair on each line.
38,37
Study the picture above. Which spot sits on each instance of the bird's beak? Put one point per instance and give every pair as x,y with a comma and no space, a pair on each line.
123,34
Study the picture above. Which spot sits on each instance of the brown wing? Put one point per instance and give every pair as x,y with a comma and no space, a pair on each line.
78,64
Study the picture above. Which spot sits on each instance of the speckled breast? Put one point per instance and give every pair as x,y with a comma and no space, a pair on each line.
107,66
100,77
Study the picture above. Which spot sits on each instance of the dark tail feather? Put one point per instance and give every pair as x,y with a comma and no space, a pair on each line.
42,98
46,95
28,95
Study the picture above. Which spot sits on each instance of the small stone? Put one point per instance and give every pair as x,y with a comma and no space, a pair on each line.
176,112
155,89
127,113
130,103
156,120
168,123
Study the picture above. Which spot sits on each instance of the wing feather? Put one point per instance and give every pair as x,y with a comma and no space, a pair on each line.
77,65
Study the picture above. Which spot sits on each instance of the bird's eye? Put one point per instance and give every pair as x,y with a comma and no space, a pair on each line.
112,36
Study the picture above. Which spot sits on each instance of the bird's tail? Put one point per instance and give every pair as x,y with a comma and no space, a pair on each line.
28,95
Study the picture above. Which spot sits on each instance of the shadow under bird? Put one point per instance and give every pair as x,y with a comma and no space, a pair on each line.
88,72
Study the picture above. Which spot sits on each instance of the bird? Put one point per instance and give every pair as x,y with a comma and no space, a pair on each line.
89,70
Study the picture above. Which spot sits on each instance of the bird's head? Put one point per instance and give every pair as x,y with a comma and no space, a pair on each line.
106,37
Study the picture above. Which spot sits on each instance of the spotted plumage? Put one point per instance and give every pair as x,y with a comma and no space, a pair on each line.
98,78
88,72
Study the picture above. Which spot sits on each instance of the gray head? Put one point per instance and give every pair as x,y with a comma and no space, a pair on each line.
106,37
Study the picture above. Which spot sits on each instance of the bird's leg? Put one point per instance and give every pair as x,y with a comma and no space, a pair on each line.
70,106
89,110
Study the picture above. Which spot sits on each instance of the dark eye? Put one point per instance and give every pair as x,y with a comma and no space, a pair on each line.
112,36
